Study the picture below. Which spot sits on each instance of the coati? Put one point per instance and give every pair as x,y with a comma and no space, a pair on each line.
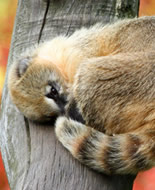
109,73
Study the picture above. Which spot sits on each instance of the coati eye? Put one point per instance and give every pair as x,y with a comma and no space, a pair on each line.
53,92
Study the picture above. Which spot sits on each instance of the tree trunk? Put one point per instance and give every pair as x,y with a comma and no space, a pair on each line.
33,158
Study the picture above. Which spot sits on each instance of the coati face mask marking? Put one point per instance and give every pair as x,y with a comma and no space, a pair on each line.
39,88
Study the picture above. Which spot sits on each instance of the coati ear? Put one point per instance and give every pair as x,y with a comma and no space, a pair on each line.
23,65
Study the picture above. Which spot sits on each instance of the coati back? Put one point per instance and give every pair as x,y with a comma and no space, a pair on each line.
109,71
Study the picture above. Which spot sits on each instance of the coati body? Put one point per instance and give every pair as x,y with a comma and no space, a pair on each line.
109,73
116,96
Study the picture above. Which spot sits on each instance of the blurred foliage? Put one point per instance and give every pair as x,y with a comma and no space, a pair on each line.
3,178
144,180
7,15
147,7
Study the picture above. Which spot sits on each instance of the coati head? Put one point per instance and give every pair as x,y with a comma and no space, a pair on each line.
37,88
39,82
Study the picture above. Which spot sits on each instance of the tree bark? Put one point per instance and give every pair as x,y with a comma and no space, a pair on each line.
33,158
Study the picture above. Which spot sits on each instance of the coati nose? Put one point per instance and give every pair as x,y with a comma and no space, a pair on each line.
61,102
73,112
63,99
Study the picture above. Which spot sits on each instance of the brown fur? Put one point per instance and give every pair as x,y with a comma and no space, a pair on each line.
110,73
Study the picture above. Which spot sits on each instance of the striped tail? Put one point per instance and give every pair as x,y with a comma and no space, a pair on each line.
119,154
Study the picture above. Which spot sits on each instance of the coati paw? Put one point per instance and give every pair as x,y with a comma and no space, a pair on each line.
59,125
70,132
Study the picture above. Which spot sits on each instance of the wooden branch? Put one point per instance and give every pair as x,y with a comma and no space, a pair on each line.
33,158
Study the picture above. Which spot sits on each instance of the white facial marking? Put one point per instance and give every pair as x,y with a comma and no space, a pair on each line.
47,89
53,76
52,104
